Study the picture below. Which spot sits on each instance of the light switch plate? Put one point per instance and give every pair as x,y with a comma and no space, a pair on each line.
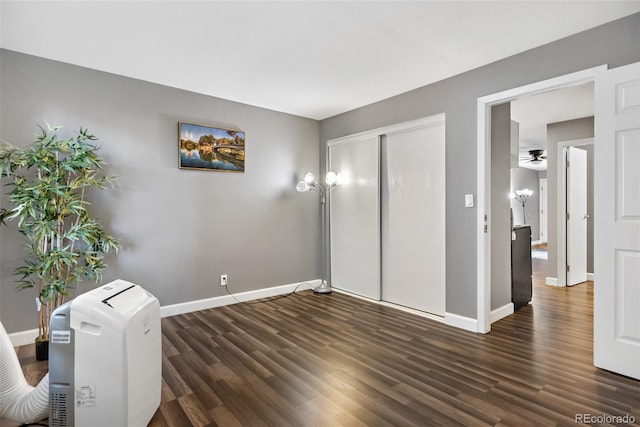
468,200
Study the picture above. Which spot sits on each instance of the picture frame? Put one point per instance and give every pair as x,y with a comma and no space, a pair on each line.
210,148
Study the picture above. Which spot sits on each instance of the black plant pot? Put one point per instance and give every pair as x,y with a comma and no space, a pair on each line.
42,350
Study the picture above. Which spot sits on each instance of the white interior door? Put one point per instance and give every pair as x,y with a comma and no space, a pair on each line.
413,218
543,210
355,217
617,221
577,216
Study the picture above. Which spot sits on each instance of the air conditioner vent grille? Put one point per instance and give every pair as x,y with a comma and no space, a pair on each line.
58,414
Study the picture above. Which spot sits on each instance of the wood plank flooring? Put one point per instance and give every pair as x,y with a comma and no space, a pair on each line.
334,360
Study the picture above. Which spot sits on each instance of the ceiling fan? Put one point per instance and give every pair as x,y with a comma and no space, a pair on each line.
535,156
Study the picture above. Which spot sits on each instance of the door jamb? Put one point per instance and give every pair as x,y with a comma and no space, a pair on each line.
483,240
561,234
543,190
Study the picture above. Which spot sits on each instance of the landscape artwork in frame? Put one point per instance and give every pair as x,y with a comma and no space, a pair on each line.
209,148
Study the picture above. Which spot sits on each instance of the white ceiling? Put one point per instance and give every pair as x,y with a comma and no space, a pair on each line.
310,58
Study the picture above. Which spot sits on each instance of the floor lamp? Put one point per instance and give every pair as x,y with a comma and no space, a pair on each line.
522,196
309,183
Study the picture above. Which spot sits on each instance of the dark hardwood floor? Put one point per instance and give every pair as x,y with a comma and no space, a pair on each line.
334,360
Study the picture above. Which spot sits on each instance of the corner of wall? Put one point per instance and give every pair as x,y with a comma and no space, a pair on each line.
461,322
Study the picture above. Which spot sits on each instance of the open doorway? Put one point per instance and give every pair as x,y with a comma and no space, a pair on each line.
548,126
617,124
486,185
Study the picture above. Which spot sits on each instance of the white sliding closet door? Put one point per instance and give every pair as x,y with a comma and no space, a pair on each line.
355,217
413,218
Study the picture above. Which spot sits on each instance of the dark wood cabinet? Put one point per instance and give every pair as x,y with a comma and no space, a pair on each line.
521,269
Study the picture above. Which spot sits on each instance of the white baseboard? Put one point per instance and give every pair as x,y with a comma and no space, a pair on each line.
396,306
203,304
551,281
466,323
24,337
501,312
27,337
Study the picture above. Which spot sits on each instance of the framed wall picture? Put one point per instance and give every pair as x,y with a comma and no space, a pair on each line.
210,148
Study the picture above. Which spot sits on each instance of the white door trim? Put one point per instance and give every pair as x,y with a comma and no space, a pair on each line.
561,201
483,239
544,208
398,127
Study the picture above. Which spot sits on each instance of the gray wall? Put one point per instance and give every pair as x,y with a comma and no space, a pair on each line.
558,132
180,229
170,221
526,178
615,44
500,230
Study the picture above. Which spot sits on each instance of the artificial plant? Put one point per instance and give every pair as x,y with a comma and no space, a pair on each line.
49,181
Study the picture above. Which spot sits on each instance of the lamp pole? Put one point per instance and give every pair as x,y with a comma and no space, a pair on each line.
309,183
325,286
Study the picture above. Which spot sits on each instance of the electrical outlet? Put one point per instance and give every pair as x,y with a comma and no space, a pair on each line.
223,280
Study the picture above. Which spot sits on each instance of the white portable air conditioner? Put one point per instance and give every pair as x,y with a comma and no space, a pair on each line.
105,358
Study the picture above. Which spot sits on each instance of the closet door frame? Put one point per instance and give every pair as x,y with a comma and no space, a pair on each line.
378,132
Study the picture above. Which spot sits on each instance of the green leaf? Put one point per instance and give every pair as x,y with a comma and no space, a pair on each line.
49,180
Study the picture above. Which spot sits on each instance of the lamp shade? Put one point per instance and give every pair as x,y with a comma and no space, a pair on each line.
331,178
309,178
302,187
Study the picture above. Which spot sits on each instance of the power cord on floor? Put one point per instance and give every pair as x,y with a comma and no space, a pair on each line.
262,300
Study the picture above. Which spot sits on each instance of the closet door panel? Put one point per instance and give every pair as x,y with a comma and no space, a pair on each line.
413,218
355,217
